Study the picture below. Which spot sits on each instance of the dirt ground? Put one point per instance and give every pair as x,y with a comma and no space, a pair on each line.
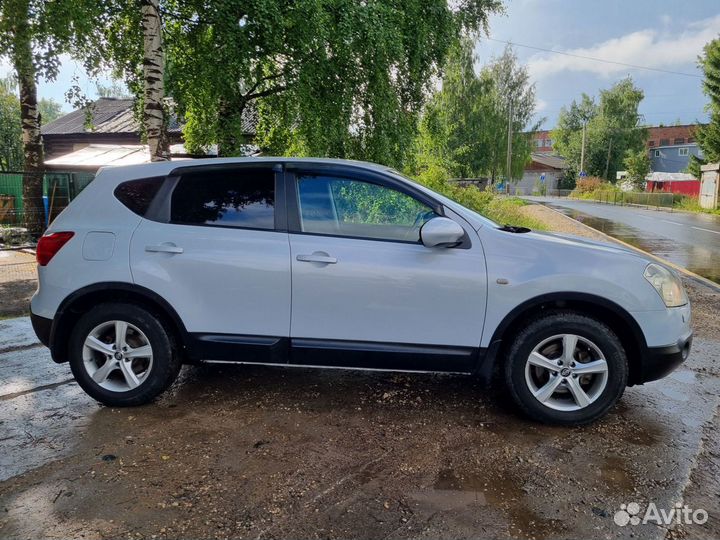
260,452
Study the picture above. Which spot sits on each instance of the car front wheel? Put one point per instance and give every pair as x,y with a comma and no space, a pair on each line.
121,355
566,368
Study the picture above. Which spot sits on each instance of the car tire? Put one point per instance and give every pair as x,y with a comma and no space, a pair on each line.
566,388
127,372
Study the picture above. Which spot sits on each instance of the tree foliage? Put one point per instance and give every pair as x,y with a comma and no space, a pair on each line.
11,152
342,79
49,110
464,125
33,34
708,136
613,128
637,165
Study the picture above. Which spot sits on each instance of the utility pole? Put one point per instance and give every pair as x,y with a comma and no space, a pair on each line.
508,167
582,150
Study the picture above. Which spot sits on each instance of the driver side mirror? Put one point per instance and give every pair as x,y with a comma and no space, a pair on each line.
441,232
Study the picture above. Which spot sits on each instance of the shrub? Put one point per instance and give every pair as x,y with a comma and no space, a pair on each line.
588,184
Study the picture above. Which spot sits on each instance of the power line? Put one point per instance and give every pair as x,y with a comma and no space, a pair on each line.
635,66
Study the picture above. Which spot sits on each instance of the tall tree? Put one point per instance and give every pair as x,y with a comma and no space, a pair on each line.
464,126
708,136
516,104
460,121
33,33
154,117
613,128
344,78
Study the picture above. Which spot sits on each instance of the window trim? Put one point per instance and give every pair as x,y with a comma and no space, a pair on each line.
293,206
657,153
160,208
684,152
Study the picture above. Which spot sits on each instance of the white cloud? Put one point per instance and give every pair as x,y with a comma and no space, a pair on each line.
540,105
649,47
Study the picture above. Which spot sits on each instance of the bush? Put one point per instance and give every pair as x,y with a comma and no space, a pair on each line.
588,184
501,209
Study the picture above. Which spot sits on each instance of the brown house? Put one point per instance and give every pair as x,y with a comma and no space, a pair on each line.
113,122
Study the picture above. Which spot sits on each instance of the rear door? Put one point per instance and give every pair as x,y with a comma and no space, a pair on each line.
215,246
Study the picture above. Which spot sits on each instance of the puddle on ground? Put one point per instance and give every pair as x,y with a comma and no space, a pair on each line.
453,490
693,257
615,475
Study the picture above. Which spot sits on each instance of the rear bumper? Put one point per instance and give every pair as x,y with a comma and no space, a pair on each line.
660,361
42,327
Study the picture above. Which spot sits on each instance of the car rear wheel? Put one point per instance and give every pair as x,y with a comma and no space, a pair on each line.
121,355
566,368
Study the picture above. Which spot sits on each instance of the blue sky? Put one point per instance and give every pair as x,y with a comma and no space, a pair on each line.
659,34
662,34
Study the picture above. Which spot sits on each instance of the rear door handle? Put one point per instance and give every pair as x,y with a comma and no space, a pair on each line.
317,258
164,248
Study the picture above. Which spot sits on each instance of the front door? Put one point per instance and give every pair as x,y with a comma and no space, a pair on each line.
366,292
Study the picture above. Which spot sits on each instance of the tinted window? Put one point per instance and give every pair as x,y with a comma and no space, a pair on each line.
231,198
355,208
138,194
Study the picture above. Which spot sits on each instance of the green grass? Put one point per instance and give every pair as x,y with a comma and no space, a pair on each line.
691,204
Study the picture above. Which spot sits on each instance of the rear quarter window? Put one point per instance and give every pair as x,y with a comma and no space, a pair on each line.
138,194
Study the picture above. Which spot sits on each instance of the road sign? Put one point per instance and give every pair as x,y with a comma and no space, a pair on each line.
583,174
542,178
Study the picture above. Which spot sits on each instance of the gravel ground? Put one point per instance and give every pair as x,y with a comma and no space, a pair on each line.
260,452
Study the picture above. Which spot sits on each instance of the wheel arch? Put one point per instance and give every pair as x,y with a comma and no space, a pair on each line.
616,317
77,303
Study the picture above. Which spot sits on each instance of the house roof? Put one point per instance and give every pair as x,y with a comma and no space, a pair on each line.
103,155
116,115
549,160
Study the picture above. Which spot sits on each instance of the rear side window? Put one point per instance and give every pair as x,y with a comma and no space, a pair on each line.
230,198
138,194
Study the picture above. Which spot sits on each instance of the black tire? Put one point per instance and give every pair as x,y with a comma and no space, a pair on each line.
553,324
165,363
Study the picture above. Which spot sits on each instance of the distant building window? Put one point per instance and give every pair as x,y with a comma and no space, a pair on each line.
538,143
691,139
651,143
682,151
657,153
664,142
679,140
548,142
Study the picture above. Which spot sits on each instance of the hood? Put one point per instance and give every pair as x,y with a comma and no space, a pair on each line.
580,242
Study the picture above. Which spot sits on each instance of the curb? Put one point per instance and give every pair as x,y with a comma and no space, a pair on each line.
692,275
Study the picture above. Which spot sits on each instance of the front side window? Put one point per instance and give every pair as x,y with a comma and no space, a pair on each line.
242,197
345,207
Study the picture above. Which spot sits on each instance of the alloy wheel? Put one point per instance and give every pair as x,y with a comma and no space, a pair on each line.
566,372
117,355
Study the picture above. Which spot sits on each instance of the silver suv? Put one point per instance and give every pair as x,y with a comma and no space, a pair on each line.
335,263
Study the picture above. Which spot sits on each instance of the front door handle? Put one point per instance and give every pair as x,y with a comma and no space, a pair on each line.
164,248
317,257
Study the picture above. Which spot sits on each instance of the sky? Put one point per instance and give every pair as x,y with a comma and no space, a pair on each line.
660,34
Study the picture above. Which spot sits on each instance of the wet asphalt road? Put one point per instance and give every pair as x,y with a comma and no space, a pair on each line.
689,240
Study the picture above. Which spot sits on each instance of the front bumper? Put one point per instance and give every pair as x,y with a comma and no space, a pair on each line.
660,361
42,327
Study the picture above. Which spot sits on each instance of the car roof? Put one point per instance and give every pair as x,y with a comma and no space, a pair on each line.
165,167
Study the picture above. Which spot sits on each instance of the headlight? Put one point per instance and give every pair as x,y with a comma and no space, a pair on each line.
667,284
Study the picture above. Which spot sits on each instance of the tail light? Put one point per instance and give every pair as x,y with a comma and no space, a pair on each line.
50,244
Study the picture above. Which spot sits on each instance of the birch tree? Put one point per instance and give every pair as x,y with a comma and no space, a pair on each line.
154,112
33,34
